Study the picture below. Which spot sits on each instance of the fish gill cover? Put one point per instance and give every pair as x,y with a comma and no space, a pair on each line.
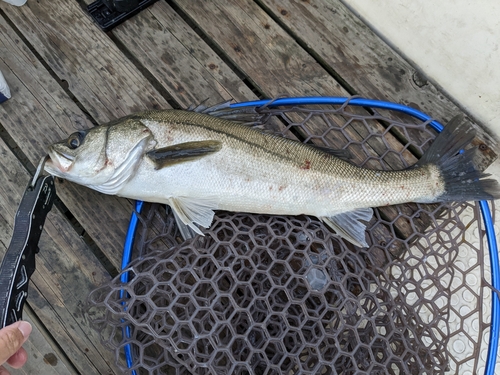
262,294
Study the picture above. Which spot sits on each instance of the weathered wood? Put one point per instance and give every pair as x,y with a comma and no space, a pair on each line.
261,49
43,358
274,62
268,56
40,113
66,272
178,58
164,44
97,73
355,53
337,38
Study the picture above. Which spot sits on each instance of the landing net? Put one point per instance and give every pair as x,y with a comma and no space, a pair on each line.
263,294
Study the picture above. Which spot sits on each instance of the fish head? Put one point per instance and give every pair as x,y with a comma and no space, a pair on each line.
104,156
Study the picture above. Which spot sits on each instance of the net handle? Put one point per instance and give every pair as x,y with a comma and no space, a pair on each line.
361,102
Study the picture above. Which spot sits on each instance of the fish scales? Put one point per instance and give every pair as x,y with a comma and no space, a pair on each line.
197,163
276,175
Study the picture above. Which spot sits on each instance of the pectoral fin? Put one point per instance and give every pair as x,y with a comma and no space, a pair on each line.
190,212
183,152
348,225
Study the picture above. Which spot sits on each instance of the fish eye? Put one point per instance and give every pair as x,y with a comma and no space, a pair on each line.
75,140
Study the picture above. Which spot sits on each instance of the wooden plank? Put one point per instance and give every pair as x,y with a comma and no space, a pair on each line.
43,357
66,272
40,113
97,73
356,54
268,56
276,64
179,59
337,38
261,49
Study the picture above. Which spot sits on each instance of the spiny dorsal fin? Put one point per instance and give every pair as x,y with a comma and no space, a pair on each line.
183,152
247,115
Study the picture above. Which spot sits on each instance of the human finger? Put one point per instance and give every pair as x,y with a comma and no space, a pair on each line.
18,359
12,338
3,371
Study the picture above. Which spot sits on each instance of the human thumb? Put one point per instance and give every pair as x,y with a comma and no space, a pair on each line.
12,338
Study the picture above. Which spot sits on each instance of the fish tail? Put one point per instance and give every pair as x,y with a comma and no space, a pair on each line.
463,180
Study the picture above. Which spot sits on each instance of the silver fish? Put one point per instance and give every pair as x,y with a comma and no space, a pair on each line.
197,163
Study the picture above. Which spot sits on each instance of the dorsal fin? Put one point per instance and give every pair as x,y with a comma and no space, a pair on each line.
247,115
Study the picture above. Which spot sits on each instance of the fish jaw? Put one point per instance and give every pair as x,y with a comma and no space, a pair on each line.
64,165
59,163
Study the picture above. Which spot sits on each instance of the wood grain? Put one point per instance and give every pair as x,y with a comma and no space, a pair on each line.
261,49
179,59
41,113
342,42
66,272
44,359
98,74
270,57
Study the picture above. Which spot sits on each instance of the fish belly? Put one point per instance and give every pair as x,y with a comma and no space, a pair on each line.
235,182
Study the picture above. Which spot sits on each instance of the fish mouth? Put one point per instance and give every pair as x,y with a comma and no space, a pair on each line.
67,156
58,163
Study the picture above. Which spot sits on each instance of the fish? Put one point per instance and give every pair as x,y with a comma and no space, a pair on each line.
199,161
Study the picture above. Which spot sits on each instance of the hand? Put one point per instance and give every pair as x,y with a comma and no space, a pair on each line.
11,340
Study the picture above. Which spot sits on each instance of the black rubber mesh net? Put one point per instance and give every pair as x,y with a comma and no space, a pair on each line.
262,294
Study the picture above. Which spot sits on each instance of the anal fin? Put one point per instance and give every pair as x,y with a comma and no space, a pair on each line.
348,225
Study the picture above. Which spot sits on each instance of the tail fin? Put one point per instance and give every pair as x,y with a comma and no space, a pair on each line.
463,181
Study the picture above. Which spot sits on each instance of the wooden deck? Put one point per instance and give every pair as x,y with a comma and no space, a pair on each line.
66,74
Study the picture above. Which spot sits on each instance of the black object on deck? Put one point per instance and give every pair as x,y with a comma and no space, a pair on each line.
19,262
110,13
